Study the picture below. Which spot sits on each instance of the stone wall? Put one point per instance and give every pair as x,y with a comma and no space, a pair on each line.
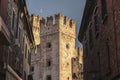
57,47
101,42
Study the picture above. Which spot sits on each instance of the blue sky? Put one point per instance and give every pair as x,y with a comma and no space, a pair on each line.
71,8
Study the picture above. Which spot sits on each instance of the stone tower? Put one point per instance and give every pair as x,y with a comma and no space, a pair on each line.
35,56
56,49
35,21
58,46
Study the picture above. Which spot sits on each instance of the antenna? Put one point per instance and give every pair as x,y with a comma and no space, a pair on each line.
41,11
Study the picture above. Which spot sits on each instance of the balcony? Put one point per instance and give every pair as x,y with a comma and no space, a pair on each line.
4,33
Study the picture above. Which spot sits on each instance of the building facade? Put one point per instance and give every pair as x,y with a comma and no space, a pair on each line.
99,34
16,39
35,56
52,58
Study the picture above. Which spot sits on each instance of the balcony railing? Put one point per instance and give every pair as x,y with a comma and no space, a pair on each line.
4,33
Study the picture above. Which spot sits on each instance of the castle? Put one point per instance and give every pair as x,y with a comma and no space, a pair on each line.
51,60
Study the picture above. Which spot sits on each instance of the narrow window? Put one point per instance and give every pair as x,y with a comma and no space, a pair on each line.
26,51
32,68
48,63
104,9
16,33
0,3
13,20
96,25
48,77
90,38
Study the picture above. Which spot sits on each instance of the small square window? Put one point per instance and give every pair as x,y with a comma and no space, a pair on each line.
49,45
67,46
48,77
67,78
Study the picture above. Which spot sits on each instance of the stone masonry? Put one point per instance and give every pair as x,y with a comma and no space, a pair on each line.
99,34
52,58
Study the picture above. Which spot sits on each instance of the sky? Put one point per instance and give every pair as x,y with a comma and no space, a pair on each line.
70,8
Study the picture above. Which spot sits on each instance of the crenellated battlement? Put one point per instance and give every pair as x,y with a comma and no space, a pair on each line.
42,21
57,19
57,23
35,16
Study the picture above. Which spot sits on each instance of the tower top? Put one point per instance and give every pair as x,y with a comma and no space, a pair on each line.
58,19
58,23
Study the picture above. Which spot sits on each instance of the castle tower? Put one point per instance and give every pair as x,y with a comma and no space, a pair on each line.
35,21
57,47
